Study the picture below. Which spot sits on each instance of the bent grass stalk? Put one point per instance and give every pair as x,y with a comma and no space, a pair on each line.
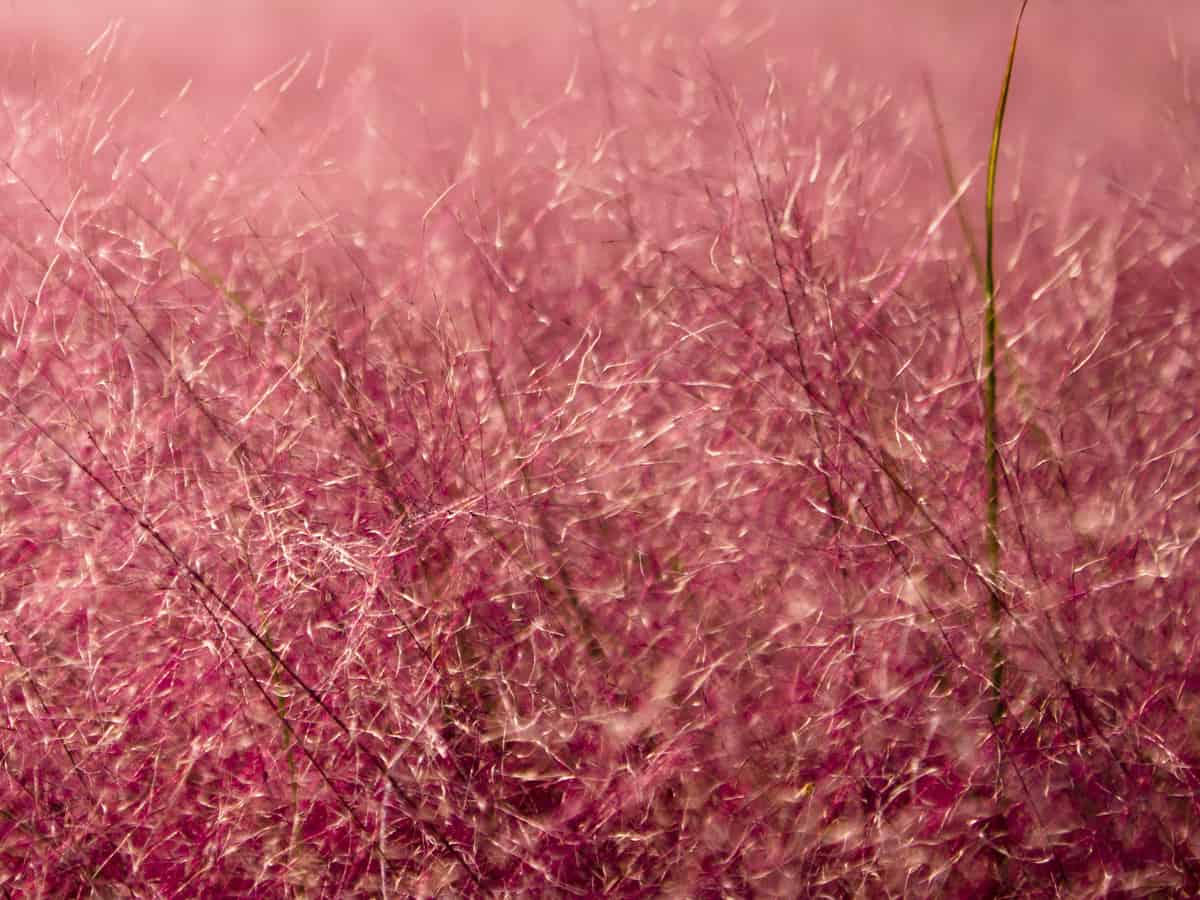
990,327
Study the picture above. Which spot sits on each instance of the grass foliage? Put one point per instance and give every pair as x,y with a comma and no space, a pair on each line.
577,490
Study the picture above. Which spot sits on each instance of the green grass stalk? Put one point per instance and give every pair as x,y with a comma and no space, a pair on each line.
990,329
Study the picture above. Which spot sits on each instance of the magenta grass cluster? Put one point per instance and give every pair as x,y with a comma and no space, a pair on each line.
573,485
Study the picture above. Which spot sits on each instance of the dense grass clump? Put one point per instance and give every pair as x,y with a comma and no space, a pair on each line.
579,485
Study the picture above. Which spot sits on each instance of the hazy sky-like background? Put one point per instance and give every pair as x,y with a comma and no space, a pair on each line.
1113,47
1094,77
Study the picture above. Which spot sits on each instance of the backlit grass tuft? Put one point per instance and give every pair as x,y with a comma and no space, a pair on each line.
562,476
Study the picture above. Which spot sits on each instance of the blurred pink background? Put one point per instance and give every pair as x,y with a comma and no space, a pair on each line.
1096,80
1095,69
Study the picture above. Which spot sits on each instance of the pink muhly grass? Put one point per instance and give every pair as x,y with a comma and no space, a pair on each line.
573,487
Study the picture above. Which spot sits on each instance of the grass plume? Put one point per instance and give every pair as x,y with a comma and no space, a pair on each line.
562,476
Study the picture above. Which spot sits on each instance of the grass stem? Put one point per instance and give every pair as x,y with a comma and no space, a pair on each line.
990,328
